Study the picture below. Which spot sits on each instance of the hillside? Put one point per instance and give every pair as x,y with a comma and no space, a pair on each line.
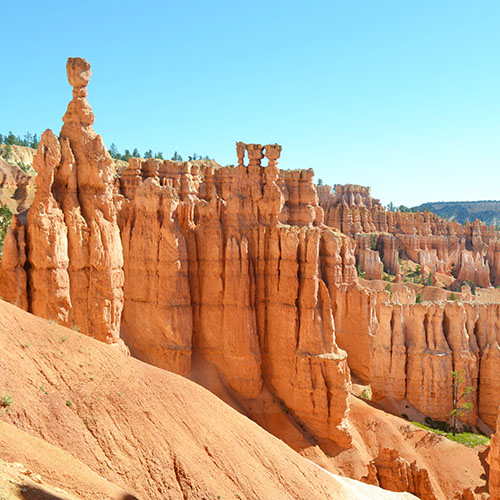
146,432
487,211
291,303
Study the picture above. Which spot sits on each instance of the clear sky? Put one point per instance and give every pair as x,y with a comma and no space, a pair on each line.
401,95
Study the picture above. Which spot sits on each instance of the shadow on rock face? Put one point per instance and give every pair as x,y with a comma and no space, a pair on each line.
40,493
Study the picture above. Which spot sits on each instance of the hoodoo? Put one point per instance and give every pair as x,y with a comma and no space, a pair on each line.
270,292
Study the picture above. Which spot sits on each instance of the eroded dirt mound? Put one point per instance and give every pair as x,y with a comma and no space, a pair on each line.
32,469
150,432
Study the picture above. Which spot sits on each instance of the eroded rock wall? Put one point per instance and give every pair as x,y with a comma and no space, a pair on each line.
74,253
468,253
407,350
254,297
494,461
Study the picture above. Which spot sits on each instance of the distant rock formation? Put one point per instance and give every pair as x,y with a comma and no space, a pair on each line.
469,253
245,279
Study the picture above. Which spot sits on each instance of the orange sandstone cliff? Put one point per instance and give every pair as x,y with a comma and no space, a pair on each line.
245,279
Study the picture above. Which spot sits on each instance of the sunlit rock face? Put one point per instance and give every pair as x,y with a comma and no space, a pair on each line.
245,278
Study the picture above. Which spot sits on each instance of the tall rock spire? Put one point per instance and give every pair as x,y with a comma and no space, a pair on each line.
72,224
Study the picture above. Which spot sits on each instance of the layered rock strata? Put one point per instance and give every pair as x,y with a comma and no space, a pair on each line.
407,350
233,264
237,274
468,253
234,268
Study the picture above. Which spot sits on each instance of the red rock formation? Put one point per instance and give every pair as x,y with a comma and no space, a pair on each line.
74,246
396,474
16,187
13,284
236,272
213,260
157,296
249,277
367,257
408,350
494,461
471,251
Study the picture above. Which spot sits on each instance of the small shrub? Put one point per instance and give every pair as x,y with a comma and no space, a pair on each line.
69,404
365,394
468,439
6,402
418,298
452,296
5,219
361,273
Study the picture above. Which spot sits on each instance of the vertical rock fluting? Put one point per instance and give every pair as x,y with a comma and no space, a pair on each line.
156,290
13,278
407,350
254,298
240,267
437,245
74,247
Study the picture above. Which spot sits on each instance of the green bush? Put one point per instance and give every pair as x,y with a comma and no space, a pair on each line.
365,394
6,402
5,219
361,273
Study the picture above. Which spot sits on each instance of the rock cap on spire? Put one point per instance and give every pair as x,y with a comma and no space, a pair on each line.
79,71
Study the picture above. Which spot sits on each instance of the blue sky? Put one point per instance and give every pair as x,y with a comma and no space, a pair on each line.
403,96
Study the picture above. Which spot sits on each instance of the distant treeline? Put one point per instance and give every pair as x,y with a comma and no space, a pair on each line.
29,140
113,151
402,208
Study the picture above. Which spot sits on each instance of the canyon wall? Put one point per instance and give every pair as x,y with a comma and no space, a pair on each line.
468,253
213,265
407,350
246,270
232,264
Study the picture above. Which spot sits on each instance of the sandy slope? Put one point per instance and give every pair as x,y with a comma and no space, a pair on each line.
48,465
152,433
